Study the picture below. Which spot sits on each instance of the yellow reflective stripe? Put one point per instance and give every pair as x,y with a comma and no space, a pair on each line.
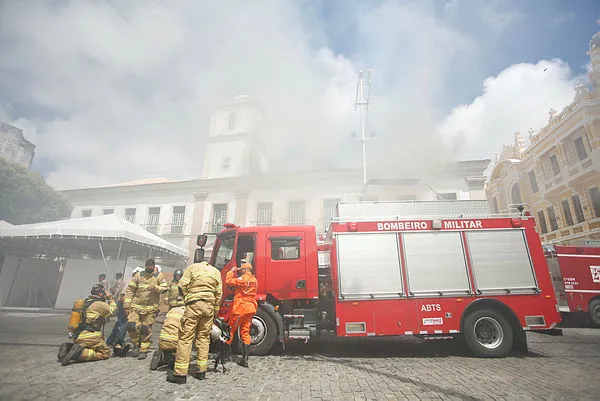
183,280
89,335
91,313
168,337
202,363
174,314
182,365
132,284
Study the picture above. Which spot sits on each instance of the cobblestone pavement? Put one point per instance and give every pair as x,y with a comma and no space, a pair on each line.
566,367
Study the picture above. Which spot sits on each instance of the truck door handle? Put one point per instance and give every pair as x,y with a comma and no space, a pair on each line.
301,284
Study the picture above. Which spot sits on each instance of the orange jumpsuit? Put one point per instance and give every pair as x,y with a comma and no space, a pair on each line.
244,304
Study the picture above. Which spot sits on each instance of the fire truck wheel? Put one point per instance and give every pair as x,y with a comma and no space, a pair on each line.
594,312
263,332
488,333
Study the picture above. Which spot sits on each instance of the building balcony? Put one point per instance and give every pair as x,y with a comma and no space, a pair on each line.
171,229
571,233
165,229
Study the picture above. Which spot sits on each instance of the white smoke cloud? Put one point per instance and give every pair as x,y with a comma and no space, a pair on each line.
517,99
118,91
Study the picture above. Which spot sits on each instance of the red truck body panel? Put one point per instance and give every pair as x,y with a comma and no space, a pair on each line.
580,270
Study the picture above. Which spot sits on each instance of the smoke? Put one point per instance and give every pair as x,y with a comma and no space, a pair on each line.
120,91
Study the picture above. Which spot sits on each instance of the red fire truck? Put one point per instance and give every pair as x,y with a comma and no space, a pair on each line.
575,274
391,269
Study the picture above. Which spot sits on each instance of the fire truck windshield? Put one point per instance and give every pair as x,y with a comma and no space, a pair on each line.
224,251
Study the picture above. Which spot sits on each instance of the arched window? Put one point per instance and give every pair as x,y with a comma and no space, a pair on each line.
515,194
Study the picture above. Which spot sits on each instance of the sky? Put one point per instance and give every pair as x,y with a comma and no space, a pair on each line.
115,91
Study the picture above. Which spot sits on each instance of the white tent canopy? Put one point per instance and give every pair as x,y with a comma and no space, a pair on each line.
101,228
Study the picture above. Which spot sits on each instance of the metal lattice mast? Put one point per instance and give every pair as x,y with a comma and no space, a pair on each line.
363,92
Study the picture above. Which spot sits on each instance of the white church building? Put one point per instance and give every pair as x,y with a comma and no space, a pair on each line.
237,186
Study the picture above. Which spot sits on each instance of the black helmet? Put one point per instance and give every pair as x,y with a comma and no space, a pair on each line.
178,274
98,290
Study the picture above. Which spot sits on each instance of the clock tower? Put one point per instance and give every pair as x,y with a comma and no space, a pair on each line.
232,145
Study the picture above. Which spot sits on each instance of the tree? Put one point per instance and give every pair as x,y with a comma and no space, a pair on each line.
26,198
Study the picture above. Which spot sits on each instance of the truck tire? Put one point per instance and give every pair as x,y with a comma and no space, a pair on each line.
594,312
488,334
263,332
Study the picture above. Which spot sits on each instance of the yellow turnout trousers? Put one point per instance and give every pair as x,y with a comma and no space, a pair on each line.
94,346
140,325
197,321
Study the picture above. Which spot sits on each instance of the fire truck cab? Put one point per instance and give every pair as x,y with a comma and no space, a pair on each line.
395,268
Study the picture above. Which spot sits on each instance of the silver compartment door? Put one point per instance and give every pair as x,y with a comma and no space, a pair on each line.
500,260
435,263
369,266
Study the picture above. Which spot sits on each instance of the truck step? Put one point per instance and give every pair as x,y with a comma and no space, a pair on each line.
293,316
299,334
432,338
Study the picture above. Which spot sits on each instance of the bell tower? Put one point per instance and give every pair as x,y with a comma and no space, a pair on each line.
232,145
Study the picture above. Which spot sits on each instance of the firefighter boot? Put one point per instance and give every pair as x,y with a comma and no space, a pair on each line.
142,355
72,355
226,353
201,375
172,378
170,360
157,360
135,352
245,351
63,350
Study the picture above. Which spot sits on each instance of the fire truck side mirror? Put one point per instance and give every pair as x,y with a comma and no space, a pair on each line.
199,255
201,240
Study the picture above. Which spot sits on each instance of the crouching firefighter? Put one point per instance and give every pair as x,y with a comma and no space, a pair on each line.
169,335
244,307
89,344
142,299
201,285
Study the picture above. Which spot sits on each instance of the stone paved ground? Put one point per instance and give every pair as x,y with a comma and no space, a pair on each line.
566,367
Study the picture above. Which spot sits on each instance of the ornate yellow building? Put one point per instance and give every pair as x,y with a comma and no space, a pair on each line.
558,175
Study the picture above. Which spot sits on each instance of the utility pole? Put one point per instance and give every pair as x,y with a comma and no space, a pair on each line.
363,92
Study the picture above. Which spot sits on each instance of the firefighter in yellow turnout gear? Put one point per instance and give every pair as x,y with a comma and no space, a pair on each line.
201,285
174,292
169,336
89,344
142,299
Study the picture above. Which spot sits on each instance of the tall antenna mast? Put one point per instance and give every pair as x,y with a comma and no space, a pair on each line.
363,92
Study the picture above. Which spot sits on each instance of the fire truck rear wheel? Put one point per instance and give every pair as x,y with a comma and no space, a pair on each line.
594,312
487,333
263,332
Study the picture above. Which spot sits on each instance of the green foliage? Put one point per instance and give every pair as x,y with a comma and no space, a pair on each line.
26,198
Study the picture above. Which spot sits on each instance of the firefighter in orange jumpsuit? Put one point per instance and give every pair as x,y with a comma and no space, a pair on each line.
141,302
201,285
244,305
89,344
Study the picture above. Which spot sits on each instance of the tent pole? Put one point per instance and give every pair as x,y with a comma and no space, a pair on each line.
104,258
119,253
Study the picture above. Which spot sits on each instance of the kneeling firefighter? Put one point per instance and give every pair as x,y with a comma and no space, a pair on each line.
87,320
244,306
169,335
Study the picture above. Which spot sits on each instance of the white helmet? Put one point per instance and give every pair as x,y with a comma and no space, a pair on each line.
215,333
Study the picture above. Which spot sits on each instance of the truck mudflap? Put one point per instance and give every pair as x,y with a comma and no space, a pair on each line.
551,332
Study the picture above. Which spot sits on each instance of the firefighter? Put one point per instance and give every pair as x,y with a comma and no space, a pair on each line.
201,285
141,302
169,335
244,306
174,288
89,344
